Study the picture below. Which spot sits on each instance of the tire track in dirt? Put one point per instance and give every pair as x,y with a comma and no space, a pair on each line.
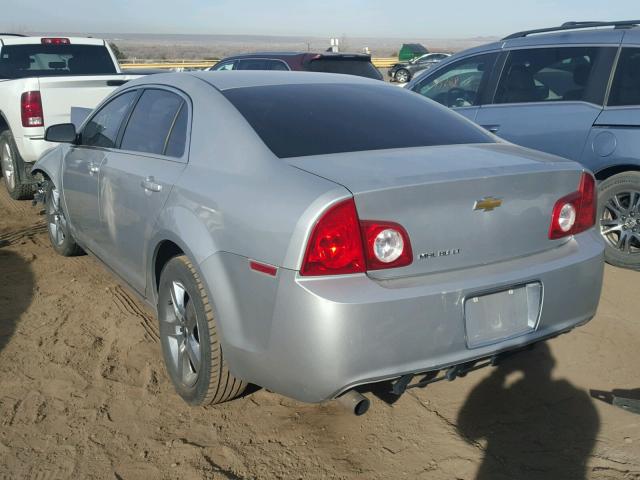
11,237
128,305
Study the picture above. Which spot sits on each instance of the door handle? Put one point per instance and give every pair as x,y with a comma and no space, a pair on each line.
93,168
492,128
150,185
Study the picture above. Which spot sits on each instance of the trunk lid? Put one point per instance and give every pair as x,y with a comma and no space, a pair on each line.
438,193
59,94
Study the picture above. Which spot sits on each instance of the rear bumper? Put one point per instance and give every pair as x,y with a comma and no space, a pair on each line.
314,338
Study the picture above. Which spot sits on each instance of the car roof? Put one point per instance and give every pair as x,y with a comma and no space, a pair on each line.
277,55
14,39
260,78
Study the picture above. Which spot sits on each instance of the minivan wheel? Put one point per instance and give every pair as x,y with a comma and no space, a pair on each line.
619,217
190,337
12,166
403,75
59,235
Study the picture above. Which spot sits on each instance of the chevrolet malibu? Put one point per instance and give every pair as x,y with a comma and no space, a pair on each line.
314,233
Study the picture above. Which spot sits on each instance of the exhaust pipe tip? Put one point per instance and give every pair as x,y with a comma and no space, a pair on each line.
354,402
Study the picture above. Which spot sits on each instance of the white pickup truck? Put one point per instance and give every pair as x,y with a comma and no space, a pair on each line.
40,79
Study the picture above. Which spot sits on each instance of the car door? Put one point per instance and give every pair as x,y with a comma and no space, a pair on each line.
460,84
615,137
81,168
547,98
136,181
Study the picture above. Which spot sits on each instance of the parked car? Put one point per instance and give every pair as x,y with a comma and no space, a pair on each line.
573,91
290,235
409,51
40,79
347,63
403,72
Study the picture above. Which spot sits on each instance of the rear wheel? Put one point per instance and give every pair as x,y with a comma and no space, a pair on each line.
13,168
619,216
190,337
403,75
59,235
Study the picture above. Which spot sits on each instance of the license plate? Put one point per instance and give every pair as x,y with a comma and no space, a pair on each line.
498,316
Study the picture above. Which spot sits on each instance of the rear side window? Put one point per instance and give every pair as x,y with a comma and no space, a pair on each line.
37,60
626,82
178,136
361,68
317,119
261,64
555,74
102,129
151,122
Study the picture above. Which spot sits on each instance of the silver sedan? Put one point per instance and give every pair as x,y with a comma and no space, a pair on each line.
312,233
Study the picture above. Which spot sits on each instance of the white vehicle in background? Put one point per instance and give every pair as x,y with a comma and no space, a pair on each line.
40,79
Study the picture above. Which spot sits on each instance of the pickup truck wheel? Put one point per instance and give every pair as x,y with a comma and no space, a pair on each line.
619,217
190,337
13,168
59,235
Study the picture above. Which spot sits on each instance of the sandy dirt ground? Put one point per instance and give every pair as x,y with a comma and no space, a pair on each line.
83,394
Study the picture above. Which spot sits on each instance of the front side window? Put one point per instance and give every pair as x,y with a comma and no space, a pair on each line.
37,60
458,85
224,66
626,82
102,129
151,122
553,75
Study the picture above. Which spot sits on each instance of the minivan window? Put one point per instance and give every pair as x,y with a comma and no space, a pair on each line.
37,60
151,121
625,89
554,75
102,129
318,119
458,84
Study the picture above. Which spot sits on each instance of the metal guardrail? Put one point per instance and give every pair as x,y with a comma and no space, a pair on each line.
170,64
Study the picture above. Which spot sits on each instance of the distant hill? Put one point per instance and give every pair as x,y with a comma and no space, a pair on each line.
172,46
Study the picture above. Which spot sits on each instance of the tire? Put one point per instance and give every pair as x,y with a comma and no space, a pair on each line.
619,219
59,235
190,338
403,75
13,169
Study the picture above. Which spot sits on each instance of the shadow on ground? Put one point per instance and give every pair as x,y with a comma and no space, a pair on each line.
16,292
530,425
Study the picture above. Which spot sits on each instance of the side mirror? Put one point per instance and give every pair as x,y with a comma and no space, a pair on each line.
61,133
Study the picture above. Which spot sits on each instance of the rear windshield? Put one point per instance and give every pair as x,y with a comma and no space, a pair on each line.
37,60
318,119
361,68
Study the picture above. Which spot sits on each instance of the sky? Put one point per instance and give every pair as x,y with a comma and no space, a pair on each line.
357,18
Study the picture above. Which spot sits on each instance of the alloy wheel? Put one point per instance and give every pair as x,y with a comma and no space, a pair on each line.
57,221
402,76
7,167
620,222
181,330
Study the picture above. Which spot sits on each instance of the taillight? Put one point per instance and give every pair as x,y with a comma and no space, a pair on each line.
341,244
31,109
575,212
387,245
335,244
55,41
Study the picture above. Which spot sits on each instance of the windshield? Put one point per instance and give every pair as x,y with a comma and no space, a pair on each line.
361,68
318,119
37,60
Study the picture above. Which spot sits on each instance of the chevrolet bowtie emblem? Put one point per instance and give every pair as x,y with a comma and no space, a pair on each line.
487,204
